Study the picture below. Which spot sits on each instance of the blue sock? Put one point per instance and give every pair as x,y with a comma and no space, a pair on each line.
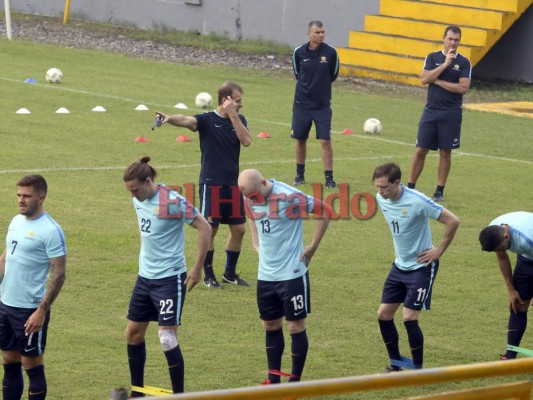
136,360
515,330
37,387
389,333
275,345
299,347
416,342
176,368
231,263
13,382
208,264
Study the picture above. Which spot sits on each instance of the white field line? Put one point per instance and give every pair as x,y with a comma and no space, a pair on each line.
364,137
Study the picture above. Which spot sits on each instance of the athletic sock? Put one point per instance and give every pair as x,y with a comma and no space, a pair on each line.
275,345
176,368
299,347
208,264
231,263
515,330
411,185
389,333
13,382
300,169
136,360
328,175
416,341
37,387
439,189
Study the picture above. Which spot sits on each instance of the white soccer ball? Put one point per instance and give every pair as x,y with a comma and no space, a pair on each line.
203,100
372,125
54,75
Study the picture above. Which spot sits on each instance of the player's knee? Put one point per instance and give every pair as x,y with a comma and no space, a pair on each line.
167,338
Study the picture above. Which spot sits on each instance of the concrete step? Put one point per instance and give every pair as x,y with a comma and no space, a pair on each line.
403,64
404,45
361,72
443,13
431,31
499,5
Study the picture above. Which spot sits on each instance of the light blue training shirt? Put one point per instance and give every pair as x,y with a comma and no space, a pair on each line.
30,244
408,220
279,221
161,221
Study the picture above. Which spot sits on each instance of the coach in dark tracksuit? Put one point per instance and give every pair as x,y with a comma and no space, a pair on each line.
315,66
448,75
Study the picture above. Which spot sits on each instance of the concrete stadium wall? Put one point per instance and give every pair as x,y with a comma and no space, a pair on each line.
512,57
282,21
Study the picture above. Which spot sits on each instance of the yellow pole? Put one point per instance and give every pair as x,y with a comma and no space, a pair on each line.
65,14
517,391
366,383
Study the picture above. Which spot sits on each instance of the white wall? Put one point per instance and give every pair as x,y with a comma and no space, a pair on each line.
282,21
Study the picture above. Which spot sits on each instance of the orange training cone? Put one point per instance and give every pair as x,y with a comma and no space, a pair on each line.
183,138
347,131
141,139
264,135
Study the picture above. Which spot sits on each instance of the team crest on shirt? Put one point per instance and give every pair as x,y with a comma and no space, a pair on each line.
456,67
30,235
156,212
323,59
403,213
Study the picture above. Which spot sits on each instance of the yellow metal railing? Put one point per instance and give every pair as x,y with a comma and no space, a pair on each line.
365,383
515,391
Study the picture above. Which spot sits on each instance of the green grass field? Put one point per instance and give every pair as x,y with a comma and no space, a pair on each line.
83,155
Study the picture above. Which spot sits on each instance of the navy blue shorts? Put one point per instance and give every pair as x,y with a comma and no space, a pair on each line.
440,129
290,299
222,204
159,300
412,288
303,119
523,277
12,335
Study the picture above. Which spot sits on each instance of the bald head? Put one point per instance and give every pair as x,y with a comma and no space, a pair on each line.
251,182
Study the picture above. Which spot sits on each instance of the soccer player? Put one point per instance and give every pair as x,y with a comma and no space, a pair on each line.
447,74
316,66
222,133
276,212
411,278
513,232
35,244
159,292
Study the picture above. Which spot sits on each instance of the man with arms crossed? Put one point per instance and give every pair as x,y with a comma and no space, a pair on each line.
276,211
35,243
410,280
513,232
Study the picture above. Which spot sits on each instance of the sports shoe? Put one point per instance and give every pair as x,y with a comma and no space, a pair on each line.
212,282
437,196
235,280
266,382
299,180
330,183
393,368
505,357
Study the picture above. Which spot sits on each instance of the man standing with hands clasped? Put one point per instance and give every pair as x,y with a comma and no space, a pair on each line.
316,66
447,74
